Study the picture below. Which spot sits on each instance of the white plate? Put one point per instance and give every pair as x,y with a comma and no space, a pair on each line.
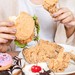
71,67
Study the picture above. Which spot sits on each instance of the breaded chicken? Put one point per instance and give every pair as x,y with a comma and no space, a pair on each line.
25,27
48,52
50,5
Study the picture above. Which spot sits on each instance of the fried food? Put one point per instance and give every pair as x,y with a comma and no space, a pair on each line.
25,27
48,52
60,63
50,5
72,56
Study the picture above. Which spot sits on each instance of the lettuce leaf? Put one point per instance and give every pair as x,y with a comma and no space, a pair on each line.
19,44
34,17
37,26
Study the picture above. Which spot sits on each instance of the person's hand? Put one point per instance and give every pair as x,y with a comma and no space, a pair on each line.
65,16
6,34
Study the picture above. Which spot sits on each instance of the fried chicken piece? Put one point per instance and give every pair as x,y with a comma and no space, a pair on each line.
50,5
42,52
60,63
72,56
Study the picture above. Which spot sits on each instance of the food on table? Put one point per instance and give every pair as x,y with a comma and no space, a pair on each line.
50,5
10,66
48,52
37,69
59,64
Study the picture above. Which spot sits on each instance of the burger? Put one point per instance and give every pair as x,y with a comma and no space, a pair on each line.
27,28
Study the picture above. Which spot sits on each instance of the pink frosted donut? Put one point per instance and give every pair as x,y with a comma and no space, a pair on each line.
5,61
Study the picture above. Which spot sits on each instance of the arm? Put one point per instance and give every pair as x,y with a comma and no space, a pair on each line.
69,31
66,17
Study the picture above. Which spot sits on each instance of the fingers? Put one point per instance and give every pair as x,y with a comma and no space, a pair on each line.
7,30
7,36
72,23
3,40
6,23
60,11
63,16
67,19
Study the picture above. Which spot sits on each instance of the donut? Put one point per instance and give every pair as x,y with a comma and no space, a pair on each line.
5,61
15,69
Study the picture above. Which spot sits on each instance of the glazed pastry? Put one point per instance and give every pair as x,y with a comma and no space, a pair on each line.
5,61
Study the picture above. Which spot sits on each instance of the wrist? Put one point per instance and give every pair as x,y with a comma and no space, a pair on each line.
69,30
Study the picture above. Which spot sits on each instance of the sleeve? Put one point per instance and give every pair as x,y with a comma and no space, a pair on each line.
60,36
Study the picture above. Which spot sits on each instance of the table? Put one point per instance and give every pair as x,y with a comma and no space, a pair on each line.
15,53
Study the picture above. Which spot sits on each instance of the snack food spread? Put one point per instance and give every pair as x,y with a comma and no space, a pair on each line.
49,52
9,67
